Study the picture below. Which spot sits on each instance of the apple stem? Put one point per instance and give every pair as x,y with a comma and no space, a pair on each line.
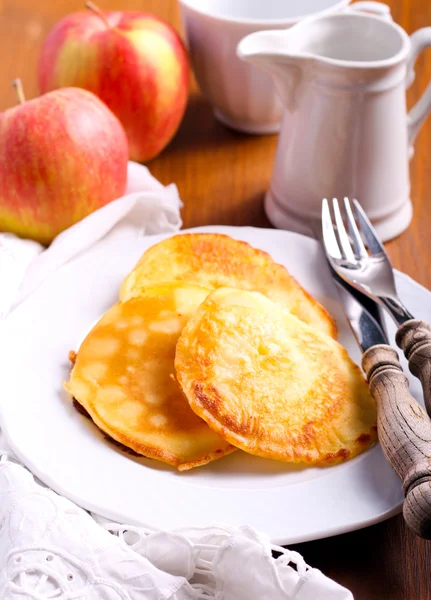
17,84
91,6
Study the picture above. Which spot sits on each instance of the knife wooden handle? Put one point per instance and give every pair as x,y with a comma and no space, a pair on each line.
404,431
414,338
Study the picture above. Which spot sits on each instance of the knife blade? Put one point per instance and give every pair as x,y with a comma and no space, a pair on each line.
364,315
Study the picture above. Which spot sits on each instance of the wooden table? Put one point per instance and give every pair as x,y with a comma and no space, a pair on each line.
222,177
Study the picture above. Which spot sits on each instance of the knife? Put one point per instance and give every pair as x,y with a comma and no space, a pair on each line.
404,428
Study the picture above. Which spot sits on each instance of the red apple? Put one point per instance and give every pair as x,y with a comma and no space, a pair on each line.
62,156
135,62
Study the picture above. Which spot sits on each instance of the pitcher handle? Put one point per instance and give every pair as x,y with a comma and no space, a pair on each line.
377,8
420,40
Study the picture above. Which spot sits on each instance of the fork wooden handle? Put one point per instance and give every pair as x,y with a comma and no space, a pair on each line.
404,431
414,338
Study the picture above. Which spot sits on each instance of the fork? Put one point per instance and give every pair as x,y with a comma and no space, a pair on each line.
370,271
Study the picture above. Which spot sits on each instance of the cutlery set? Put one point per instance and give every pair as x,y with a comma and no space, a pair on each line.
404,427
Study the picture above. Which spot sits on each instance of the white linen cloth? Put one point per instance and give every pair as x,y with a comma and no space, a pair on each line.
51,548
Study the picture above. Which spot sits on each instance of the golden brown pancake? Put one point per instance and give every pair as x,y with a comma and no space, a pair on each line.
123,376
272,385
215,260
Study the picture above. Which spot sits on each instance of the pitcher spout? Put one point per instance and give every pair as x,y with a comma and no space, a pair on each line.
263,48
270,51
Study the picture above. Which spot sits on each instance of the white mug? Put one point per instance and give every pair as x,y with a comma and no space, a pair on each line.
346,130
242,96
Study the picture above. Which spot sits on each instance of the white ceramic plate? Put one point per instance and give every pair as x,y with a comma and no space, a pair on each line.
67,452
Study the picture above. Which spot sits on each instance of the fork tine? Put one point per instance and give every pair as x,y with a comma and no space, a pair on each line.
373,242
346,248
329,238
355,236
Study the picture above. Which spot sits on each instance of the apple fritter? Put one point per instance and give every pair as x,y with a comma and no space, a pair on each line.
123,376
216,260
272,385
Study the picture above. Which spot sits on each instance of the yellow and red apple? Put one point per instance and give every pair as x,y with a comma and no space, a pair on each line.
135,62
62,156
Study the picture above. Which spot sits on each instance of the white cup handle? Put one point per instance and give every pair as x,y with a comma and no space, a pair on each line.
420,40
376,8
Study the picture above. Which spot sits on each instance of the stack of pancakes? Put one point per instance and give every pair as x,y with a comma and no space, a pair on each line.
213,347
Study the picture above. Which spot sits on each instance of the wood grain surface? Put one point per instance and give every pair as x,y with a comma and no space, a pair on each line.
222,177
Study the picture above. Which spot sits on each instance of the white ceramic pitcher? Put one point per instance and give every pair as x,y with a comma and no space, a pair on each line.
345,131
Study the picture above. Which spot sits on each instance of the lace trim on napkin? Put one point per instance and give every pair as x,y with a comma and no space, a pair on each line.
195,560
50,548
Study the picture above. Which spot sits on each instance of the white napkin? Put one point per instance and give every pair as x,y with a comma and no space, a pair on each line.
147,208
50,548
